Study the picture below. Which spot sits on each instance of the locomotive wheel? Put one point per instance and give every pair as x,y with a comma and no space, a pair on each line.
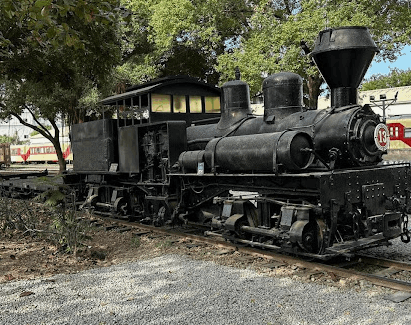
120,206
92,201
234,225
308,236
311,239
241,233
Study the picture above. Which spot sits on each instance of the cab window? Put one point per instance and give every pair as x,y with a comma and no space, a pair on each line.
212,104
179,104
195,104
161,103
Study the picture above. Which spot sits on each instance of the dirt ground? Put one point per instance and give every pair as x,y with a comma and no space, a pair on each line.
25,257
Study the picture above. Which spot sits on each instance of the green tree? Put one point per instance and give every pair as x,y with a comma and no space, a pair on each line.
55,55
14,139
169,37
209,38
272,43
396,78
50,22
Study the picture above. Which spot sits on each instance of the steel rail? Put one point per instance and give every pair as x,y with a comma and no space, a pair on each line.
286,259
384,262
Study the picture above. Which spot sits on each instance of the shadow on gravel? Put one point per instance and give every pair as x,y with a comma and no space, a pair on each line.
176,290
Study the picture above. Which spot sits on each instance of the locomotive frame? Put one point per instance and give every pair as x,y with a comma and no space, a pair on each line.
302,181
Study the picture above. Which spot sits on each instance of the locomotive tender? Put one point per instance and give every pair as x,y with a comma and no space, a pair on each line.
299,180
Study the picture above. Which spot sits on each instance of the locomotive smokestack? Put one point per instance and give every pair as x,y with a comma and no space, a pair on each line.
343,56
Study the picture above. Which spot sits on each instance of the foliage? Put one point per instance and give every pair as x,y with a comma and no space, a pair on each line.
57,220
208,39
48,127
66,229
21,219
277,28
44,23
14,139
169,37
396,78
55,55
135,242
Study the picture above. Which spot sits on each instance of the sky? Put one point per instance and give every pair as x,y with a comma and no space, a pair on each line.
403,62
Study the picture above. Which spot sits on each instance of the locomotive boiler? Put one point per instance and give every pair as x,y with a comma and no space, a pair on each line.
299,180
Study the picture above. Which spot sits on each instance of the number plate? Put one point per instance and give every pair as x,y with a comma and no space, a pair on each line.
381,137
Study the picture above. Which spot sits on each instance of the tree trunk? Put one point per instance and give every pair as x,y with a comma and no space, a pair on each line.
313,84
61,160
59,152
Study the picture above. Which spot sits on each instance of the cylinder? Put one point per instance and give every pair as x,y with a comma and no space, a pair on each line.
283,94
189,160
260,152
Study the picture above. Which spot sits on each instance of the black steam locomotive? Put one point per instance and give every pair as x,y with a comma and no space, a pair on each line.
303,181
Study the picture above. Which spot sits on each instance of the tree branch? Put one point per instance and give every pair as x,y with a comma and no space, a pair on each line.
37,121
32,126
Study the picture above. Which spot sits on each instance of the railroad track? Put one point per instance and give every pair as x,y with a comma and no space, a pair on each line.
383,270
51,169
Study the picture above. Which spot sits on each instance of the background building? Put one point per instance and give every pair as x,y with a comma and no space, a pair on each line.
381,101
13,126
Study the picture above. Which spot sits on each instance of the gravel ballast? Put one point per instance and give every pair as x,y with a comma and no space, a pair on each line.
398,251
174,289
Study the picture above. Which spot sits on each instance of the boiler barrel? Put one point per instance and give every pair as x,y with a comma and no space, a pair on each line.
260,152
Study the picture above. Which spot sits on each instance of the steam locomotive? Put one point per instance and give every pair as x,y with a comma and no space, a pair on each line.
298,180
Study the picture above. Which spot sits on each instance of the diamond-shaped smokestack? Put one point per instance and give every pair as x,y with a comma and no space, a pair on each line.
343,56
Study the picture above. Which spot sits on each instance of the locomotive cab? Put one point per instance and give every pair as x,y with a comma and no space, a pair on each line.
141,144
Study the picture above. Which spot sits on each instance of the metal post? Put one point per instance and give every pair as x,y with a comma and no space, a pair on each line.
384,103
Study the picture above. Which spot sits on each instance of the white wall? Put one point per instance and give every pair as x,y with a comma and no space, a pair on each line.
401,106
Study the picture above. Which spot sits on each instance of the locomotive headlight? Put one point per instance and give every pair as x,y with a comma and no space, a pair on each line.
381,137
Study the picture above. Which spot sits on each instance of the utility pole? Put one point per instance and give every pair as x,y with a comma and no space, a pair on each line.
383,103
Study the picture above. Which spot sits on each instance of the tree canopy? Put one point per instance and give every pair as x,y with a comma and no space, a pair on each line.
170,37
12,139
278,27
396,78
55,55
209,38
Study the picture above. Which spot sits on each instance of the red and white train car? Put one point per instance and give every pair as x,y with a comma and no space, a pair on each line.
19,153
39,153
399,128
